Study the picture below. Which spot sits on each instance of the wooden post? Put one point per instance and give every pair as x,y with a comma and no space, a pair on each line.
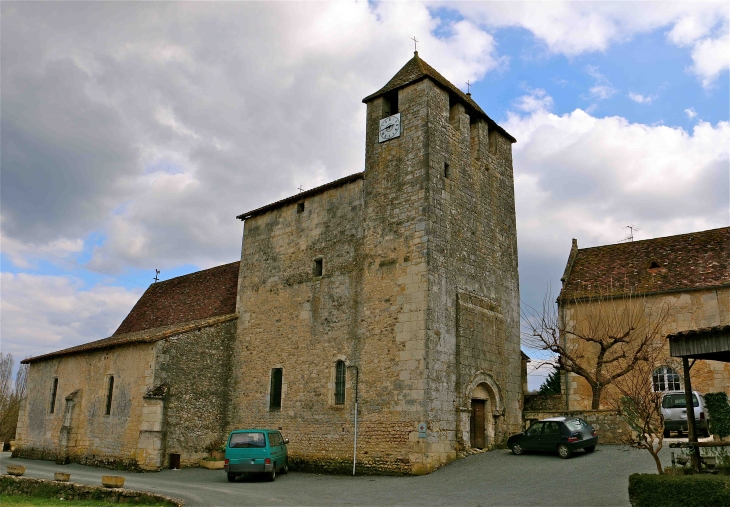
691,428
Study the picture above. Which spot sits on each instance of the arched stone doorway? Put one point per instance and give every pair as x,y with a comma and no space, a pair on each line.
485,403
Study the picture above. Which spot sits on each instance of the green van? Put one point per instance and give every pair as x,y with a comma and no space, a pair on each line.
256,451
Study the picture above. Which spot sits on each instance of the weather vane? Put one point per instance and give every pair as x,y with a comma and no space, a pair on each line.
415,44
157,272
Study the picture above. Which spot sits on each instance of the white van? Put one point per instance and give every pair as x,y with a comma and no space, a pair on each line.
674,410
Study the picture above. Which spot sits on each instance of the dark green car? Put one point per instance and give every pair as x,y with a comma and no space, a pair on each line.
557,434
256,451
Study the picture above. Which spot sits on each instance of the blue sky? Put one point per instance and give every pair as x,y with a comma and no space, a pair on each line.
134,133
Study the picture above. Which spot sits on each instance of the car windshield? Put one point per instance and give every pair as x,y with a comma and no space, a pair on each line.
247,440
678,401
575,424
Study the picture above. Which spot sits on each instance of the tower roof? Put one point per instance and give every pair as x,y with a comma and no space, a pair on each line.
415,70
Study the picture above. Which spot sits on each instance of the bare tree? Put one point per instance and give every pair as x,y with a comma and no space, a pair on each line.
599,338
641,407
11,394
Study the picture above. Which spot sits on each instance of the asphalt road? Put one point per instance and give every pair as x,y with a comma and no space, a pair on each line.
495,478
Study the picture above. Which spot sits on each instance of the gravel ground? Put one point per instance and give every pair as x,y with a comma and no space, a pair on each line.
495,478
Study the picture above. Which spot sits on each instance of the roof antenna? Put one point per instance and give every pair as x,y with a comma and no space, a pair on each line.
157,272
630,237
415,45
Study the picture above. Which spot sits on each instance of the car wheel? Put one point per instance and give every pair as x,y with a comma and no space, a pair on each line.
517,449
564,451
231,477
285,470
272,475
590,448
667,433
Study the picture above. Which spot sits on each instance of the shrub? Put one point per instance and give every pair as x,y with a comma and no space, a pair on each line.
719,411
653,490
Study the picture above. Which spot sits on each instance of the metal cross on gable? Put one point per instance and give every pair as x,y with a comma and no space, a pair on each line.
415,43
468,87
301,189
157,272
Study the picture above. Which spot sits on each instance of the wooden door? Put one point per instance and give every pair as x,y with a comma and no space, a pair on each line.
476,424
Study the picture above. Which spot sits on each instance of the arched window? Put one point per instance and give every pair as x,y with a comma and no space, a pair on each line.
340,373
666,379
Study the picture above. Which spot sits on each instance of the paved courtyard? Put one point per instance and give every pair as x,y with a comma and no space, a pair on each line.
495,478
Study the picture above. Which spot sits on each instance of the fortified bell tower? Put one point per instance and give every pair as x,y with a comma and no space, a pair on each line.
438,197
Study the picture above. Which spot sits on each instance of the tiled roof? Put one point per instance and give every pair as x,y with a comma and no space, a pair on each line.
686,261
145,336
415,70
301,196
199,295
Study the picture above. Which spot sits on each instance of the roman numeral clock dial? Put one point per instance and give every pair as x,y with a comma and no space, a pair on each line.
389,128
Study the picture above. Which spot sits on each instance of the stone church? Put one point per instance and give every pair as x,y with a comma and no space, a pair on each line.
381,308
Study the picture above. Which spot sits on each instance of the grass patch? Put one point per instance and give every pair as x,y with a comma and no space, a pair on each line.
37,501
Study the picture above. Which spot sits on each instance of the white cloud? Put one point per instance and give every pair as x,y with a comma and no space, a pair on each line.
536,99
573,28
585,177
602,89
46,313
711,57
691,113
641,99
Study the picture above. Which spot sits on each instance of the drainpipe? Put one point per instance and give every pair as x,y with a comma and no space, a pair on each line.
354,449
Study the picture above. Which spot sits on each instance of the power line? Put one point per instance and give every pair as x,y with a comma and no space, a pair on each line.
72,262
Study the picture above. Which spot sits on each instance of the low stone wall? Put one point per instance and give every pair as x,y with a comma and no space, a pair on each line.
27,452
10,485
544,402
611,427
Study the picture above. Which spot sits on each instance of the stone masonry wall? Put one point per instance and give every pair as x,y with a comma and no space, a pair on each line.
86,434
196,368
473,329
690,310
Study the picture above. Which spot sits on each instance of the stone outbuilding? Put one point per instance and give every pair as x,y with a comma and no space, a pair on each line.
158,385
689,274
381,308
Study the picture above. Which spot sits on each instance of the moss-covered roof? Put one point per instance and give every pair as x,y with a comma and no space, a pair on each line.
684,262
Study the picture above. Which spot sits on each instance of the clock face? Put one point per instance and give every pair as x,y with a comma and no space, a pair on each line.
389,128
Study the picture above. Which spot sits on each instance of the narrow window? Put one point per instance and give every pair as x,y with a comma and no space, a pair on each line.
340,373
54,391
390,104
300,207
447,170
317,267
275,396
109,393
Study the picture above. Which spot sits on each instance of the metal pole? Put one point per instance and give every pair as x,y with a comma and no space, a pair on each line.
354,449
691,429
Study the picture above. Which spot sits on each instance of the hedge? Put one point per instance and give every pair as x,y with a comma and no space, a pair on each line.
719,412
653,490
